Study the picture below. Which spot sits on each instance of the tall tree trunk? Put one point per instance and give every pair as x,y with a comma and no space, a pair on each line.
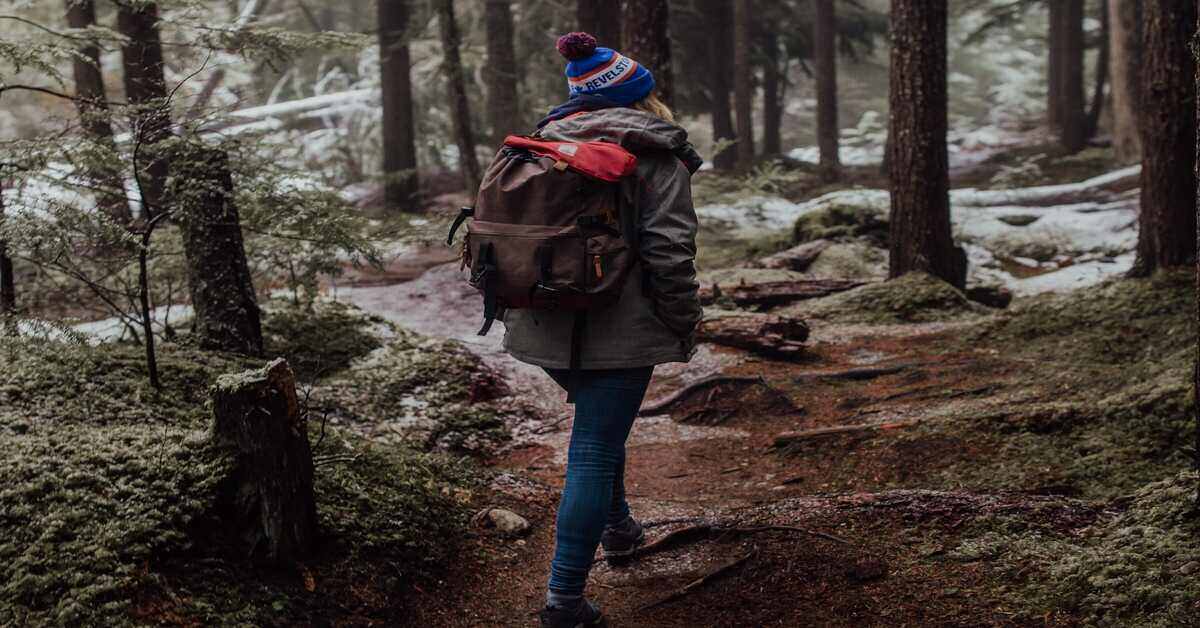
1054,44
142,59
645,38
1168,212
1196,251
601,18
91,99
719,20
772,95
1102,68
825,58
1072,117
920,237
1125,39
226,309
501,77
743,85
399,136
460,110
268,501
8,289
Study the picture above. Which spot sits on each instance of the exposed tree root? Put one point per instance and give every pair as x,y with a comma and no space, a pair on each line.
658,405
858,374
702,580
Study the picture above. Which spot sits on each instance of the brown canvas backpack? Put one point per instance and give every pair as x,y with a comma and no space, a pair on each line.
547,230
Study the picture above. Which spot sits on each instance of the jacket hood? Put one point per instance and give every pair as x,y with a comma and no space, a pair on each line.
633,130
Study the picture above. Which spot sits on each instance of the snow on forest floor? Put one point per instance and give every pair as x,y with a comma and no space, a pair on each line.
1031,240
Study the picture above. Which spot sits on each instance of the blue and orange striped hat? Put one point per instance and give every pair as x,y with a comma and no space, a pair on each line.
593,69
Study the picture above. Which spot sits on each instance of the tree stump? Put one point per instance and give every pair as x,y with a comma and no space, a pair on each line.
227,317
268,500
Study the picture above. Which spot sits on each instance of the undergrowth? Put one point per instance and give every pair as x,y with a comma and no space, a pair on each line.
913,298
105,506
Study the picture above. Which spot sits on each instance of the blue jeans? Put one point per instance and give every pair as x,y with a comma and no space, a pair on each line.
606,403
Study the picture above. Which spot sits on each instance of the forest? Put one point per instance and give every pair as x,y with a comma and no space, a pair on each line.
945,374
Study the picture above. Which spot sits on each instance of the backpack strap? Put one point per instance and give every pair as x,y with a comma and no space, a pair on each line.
463,214
487,278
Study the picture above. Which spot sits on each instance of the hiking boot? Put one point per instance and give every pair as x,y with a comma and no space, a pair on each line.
582,616
621,541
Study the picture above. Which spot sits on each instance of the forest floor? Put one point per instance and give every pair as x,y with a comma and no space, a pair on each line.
923,517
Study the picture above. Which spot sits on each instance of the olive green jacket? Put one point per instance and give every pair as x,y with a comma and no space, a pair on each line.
659,308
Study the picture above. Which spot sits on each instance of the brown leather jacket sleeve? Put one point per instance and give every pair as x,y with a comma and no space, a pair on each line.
667,242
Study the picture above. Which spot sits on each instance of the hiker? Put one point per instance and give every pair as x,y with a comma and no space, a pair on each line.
612,99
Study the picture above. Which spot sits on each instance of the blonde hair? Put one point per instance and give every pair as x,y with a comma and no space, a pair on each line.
652,105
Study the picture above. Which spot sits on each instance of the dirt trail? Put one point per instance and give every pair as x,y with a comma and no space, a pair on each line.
680,473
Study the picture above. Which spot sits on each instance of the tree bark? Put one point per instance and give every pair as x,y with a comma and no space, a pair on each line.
1168,130
646,39
743,85
268,500
920,238
400,186
1125,39
719,20
460,110
1102,70
501,76
91,100
601,18
1054,44
145,86
1196,251
772,95
1073,117
825,60
226,314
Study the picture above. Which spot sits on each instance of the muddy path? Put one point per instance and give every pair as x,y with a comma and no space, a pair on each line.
809,531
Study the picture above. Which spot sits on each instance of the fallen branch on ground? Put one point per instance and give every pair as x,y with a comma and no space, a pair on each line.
702,580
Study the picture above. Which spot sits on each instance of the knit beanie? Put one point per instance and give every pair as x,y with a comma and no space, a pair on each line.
603,71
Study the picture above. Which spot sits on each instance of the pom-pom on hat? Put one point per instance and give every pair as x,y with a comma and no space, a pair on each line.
593,69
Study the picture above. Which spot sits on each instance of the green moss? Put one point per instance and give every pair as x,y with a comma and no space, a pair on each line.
432,394
1138,568
840,221
915,297
83,508
322,339
105,505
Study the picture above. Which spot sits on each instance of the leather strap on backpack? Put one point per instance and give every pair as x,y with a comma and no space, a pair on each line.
487,279
463,214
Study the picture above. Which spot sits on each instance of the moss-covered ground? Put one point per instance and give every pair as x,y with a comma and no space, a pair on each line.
105,507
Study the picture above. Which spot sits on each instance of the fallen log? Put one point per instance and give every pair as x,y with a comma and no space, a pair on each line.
768,335
797,258
268,501
775,293
787,439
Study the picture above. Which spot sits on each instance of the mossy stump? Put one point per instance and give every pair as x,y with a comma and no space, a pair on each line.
268,500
